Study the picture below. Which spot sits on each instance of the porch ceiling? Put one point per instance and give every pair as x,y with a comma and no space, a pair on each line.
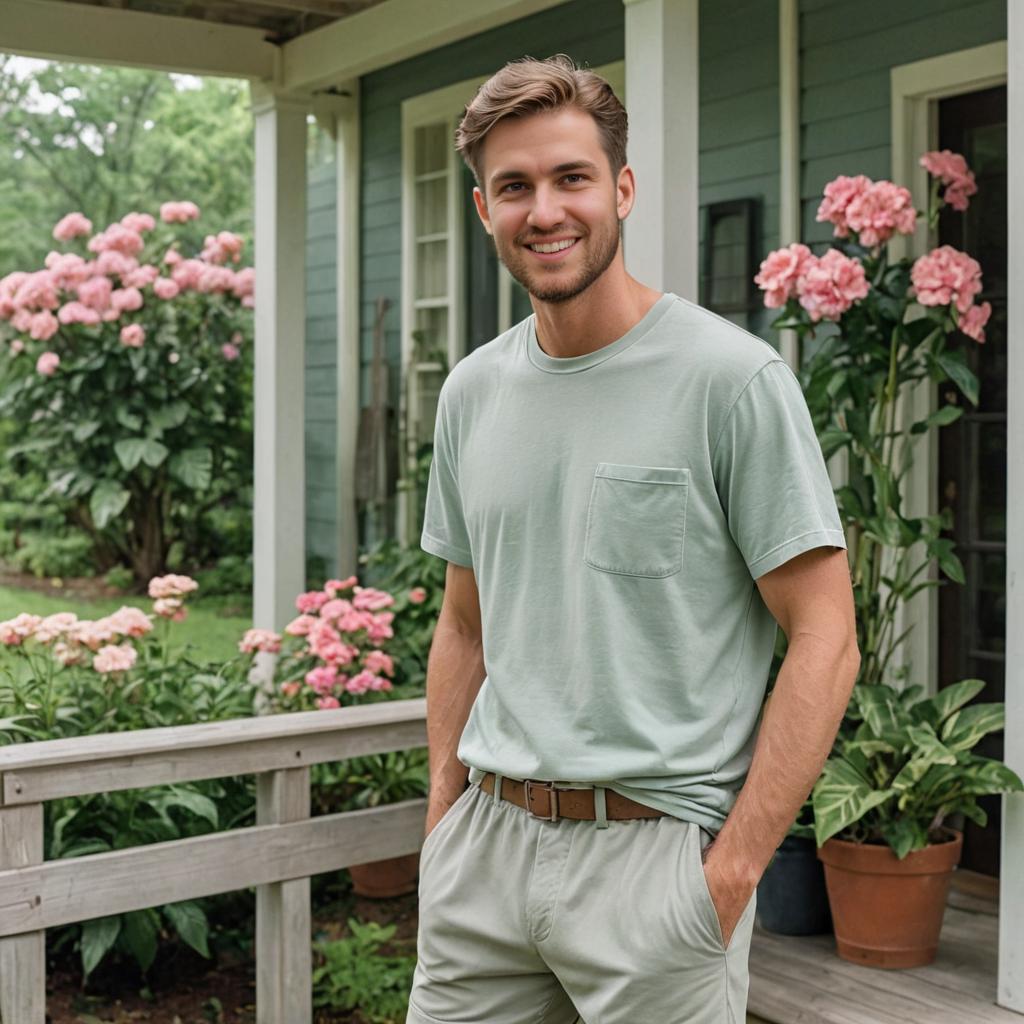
280,19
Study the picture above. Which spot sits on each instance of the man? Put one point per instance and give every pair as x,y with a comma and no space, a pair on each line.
631,498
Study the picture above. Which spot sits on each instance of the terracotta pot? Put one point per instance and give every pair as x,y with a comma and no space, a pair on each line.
888,912
381,879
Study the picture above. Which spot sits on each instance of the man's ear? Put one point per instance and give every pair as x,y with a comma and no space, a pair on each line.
481,209
625,192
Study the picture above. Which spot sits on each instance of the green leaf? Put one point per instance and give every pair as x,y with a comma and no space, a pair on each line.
940,418
127,419
193,467
190,923
129,452
107,501
83,431
98,936
154,453
139,936
954,365
842,796
966,726
171,415
197,803
832,439
938,708
984,776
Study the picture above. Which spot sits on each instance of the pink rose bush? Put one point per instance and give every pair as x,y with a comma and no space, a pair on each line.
127,367
334,649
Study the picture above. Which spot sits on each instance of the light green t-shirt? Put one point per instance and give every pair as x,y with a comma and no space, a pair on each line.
616,508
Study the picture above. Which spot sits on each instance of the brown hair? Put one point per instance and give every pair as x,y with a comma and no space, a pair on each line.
529,86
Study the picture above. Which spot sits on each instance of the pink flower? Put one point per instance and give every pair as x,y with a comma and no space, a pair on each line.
362,682
133,335
178,212
229,351
130,621
172,257
244,283
110,262
141,276
68,268
54,626
37,291
95,293
138,222
67,654
265,640
17,346
126,300
327,703
951,169
72,225
215,279
321,680
118,237
171,585
972,322
222,247
300,626
78,313
417,595
170,608
311,601
779,274
369,598
47,363
378,661
16,631
879,211
92,634
944,276
838,196
114,659
186,274
165,288
44,326
291,689
331,587
829,286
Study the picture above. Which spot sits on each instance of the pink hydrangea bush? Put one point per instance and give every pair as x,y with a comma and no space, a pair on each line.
334,650
126,362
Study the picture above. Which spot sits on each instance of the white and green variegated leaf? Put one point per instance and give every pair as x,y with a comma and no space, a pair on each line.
879,707
842,796
936,709
984,776
904,834
963,729
928,751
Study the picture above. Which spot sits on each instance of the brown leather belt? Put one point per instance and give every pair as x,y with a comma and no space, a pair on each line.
546,800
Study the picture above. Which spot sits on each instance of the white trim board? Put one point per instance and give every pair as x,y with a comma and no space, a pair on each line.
915,90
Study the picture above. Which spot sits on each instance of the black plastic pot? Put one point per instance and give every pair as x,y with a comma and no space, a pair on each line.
791,897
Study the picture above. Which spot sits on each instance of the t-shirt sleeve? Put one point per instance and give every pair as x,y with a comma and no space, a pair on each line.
771,476
444,525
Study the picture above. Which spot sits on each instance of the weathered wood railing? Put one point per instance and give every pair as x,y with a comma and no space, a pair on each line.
277,855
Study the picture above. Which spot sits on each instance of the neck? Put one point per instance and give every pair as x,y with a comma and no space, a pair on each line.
596,317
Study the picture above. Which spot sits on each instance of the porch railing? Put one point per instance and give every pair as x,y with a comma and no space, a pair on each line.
277,855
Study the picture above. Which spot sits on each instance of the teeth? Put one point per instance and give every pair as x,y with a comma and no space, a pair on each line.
554,246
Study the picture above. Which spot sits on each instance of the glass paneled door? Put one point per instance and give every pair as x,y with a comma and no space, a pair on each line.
972,451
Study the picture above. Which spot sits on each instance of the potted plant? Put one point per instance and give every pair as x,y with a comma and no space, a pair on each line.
888,325
334,652
881,811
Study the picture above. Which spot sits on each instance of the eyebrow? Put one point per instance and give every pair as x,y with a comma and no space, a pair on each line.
572,165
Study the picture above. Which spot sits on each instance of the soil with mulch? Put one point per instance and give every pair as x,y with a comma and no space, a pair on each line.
184,988
74,588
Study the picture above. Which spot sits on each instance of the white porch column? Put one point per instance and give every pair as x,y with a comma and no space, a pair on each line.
1011,882
279,534
662,233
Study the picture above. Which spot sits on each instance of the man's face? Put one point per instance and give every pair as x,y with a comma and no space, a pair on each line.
547,181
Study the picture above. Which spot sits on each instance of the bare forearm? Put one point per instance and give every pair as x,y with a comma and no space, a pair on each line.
796,735
455,670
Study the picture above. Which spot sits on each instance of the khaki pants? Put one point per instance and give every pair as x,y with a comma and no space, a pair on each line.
529,921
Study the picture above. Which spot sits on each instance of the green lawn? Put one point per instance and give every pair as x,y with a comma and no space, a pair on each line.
213,627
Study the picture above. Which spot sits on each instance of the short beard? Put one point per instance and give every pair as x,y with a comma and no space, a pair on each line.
595,263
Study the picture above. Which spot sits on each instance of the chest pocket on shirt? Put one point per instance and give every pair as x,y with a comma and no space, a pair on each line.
636,519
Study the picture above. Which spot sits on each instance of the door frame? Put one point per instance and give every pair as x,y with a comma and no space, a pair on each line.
915,90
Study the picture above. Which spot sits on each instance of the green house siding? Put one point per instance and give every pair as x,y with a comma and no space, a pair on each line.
846,51
739,123
321,369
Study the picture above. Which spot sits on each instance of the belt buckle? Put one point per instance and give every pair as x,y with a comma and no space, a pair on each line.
552,799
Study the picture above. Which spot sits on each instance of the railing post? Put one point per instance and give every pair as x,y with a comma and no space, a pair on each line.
284,959
22,957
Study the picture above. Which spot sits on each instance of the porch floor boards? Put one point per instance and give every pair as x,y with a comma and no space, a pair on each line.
801,980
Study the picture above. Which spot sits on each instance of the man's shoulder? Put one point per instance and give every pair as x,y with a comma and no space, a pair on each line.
479,365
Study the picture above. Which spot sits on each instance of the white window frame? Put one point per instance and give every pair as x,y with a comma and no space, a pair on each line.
916,89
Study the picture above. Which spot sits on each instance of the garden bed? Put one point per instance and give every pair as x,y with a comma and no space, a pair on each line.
187,990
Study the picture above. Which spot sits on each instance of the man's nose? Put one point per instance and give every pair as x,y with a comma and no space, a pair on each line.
547,209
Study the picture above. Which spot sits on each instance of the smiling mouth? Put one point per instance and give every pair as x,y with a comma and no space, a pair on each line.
553,250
